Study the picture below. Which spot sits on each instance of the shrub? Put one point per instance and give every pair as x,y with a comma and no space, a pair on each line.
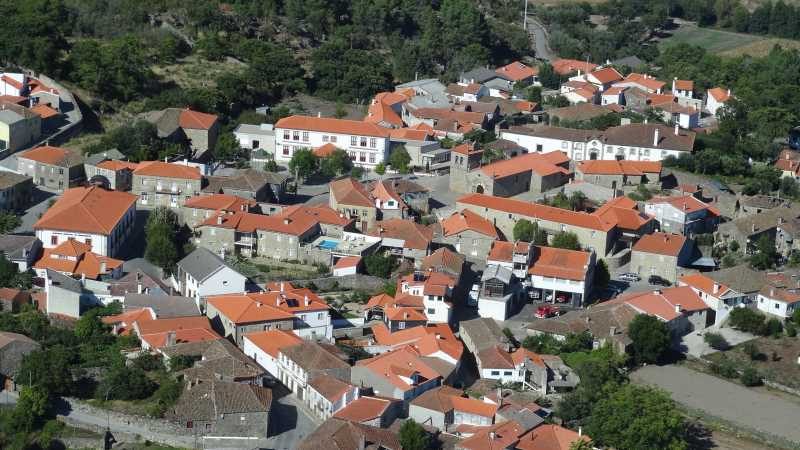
773,327
791,329
716,341
724,368
750,377
746,319
751,350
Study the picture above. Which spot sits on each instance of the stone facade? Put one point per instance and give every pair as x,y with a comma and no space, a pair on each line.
15,191
156,191
52,176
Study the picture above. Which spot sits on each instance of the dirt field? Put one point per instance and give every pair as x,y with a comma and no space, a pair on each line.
784,370
196,72
306,104
761,48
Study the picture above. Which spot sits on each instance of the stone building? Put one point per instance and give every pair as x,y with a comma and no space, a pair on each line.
469,233
349,197
250,184
15,191
617,174
532,172
159,183
663,255
52,167
109,168
197,130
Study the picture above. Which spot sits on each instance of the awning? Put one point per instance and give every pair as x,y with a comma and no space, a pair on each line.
704,261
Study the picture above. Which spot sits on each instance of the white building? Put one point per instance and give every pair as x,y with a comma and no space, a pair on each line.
635,142
12,84
515,256
720,298
498,293
202,273
563,276
716,99
263,347
778,302
613,96
92,215
682,88
300,363
326,395
256,137
366,143
436,290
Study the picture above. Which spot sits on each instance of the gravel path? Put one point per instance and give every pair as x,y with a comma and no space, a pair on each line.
734,403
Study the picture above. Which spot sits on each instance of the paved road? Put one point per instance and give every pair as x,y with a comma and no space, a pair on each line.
751,409
540,37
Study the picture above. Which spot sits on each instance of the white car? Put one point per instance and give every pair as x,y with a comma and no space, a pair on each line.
629,277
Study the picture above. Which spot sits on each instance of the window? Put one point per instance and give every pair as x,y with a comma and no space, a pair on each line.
373,142
431,310
286,134
295,135
777,306
333,139
363,141
88,242
255,144
61,171
539,147
362,157
353,140
53,240
495,373
372,158
564,144
305,136
285,150
507,373
319,316
352,155
401,325
324,138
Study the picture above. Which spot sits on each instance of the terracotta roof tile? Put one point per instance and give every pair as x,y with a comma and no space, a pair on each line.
249,222
196,120
347,261
325,150
467,220
167,170
500,436
399,363
705,284
502,251
567,66
87,209
644,80
115,165
780,295
721,95
364,409
542,164
271,341
216,202
329,387
550,437
660,244
517,71
409,133
347,191
686,203
267,306
630,168
76,258
606,75
559,263
56,156
414,235
330,125
663,303
44,111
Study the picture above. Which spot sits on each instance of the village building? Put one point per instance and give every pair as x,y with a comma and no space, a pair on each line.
469,233
159,183
201,274
99,218
532,172
13,348
300,364
76,259
445,408
720,298
19,127
199,131
373,411
16,191
618,174
684,215
52,167
778,302
562,276
662,255
716,99
251,184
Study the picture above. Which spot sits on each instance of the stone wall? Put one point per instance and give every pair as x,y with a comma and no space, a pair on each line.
348,282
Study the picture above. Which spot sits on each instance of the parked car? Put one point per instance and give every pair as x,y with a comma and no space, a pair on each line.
473,294
562,298
546,311
656,280
629,276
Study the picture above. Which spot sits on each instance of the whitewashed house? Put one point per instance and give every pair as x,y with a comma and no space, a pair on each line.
202,273
256,137
778,302
326,395
91,215
719,297
563,276
13,84
716,99
635,142
367,144
264,346
498,293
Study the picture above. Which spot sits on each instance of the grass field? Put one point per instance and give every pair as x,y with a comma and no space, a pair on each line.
761,47
714,41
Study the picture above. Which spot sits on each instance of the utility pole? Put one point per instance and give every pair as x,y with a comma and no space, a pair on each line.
525,16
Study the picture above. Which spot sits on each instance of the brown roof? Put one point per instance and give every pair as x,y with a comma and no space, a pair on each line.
87,209
312,357
208,400
567,66
167,170
615,167
517,71
329,387
467,220
414,235
660,244
550,437
9,179
559,263
437,399
634,135
249,222
55,156
720,95
444,258
606,75
347,191
338,434
271,341
220,202
364,409
542,164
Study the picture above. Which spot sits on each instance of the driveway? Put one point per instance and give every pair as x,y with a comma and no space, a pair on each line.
754,410
40,203
695,345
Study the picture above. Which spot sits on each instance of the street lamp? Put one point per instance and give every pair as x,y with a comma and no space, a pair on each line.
108,411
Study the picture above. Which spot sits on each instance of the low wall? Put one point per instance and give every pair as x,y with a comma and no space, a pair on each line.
347,282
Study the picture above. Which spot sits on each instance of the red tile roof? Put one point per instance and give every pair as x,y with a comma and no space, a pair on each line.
384,191
12,82
347,191
22,101
427,340
186,329
567,66
51,155
686,203
468,220
329,387
330,125
517,71
684,85
325,150
267,306
644,80
721,95
216,202
606,75
396,313
271,341
780,295
44,111
318,213
466,148
87,209
347,261
559,263
196,120
534,210
167,170
115,165
76,258
380,112
704,284
664,303
501,436
409,133
542,164
414,235
250,222
501,251
660,244
623,212
550,437
614,90
364,409
398,364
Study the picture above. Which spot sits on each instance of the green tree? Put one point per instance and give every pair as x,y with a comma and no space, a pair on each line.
548,77
524,230
581,444
633,418
335,164
89,326
227,149
750,377
534,94
9,222
765,256
716,341
380,169
124,383
11,277
161,249
566,240
399,159
49,369
601,275
303,163
413,436
378,265
32,407
651,339
746,319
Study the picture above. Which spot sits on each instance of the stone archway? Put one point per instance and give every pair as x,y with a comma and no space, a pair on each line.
593,156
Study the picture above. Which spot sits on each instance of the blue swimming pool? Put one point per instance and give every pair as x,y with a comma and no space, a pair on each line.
328,244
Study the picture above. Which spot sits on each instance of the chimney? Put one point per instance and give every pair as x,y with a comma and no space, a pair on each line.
716,288
138,288
676,129
103,266
580,431
657,292
219,219
729,92
287,221
306,301
319,113
753,228
170,338
612,331
645,120
165,159
83,279
772,292
673,83
655,138
491,435
499,397
677,307
281,286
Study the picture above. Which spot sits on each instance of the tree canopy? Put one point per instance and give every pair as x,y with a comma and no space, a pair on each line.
651,339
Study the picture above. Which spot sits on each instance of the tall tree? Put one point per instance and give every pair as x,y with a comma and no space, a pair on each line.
651,339
413,436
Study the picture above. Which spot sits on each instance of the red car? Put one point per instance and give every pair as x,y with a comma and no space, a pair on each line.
546,311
